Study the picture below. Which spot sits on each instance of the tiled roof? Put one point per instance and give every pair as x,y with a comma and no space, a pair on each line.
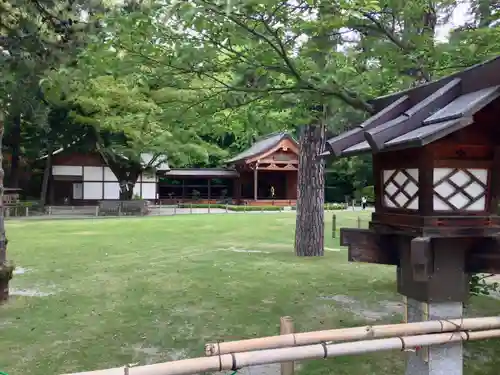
261,146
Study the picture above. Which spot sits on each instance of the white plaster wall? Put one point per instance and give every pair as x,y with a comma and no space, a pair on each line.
109,175
148,190
66,170
92,190
111,190
92,173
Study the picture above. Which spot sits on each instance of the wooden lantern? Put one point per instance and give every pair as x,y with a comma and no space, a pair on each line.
436,164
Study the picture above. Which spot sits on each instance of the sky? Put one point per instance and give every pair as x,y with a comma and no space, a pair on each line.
458,18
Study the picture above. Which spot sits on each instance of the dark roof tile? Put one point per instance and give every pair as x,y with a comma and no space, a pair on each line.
260,146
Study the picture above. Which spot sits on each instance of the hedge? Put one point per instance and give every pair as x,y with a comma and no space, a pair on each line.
328,206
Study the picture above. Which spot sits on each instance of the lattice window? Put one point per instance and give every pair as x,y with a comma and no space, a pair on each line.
460,189
401,188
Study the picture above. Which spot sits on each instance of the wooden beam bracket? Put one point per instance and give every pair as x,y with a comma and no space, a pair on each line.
364,245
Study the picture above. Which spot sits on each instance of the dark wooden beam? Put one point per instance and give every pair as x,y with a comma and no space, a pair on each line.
255,182
415,116
422,260
494,189
356,135
366,246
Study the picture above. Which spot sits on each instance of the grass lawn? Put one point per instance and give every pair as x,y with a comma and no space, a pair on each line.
118,291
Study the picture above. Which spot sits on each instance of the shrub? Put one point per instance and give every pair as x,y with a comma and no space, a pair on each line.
230,207
369,193
242,208
335,206
255,208
480,287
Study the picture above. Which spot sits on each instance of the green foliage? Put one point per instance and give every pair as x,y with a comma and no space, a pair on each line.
6,271
480,286
369,193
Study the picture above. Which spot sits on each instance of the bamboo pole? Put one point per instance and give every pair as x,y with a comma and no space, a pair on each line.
356,333
286,327
239,360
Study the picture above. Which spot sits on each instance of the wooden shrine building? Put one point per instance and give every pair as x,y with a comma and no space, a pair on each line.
269,166
264,174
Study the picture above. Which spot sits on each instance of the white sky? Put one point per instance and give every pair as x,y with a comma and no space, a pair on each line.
459,17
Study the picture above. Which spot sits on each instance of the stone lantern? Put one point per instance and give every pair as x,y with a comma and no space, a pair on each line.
436,165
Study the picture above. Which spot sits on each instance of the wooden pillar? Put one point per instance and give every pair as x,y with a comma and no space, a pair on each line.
237,189
255,182
209,183
51,189
432,276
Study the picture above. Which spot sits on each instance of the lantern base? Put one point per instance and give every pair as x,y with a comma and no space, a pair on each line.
438,359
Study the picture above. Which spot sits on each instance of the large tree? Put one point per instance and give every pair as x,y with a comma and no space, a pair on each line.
304,58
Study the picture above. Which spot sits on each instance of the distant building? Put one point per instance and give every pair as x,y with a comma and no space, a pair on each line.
270,164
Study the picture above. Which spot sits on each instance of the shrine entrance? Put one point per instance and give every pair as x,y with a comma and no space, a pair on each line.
268,172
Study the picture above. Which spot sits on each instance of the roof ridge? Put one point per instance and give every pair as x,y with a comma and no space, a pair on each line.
280,132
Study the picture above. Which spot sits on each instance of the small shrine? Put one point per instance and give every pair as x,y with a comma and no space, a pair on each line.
436,165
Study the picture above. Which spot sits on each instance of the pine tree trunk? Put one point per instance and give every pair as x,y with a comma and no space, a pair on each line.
309,228
5,268
46,175
16,151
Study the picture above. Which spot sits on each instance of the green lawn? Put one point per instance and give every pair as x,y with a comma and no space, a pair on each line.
155,289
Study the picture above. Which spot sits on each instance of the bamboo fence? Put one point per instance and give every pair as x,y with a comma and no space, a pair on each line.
236,361
350,334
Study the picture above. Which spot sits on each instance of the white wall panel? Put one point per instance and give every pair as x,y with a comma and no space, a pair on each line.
92,173
148,190
109,175
66,170
92,190
111,190
137,189
148,178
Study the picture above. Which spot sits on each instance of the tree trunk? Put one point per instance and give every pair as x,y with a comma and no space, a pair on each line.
309,228
46,175
126,190
16,148
5,268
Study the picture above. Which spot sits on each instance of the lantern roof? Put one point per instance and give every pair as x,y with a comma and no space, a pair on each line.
424,114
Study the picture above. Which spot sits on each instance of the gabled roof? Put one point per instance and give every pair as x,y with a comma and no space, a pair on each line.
424,114
261,146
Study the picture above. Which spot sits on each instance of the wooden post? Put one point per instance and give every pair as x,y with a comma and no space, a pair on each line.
255,183
226,208
27,211
190,208
286,327
208,206
359,222
209,193
96,210
334,226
